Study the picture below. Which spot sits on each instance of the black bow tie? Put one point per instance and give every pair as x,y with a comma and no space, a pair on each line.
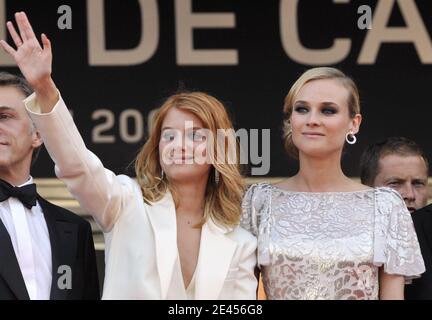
26,194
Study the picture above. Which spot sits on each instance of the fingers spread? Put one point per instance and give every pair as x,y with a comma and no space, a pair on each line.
20,26
15,37
7,47
26,26
46,42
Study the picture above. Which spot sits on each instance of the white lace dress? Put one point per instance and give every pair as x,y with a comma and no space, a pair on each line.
329,245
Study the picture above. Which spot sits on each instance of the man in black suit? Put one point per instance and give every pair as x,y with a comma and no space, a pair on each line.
422,288
399,163
46,252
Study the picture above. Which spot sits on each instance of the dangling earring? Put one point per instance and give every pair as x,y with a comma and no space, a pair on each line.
288,128
351,140
162,175
216,176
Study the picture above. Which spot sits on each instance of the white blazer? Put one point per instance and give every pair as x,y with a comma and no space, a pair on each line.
140,239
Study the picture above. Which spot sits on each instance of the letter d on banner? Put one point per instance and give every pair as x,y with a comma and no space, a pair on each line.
100,56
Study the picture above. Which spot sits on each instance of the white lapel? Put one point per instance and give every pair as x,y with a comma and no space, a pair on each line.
162,217
215,256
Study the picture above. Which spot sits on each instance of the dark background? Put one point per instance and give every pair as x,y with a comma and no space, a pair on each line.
395,91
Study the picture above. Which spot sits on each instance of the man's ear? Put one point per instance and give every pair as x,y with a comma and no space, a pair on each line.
37,139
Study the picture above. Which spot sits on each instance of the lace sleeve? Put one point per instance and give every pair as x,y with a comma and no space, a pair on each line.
396,246
248,218
255,218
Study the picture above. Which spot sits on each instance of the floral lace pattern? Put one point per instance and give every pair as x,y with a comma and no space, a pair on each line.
329,245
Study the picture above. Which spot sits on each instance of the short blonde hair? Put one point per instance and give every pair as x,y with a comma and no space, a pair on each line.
222,199
312,75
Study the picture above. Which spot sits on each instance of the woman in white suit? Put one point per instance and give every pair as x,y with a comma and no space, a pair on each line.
173,232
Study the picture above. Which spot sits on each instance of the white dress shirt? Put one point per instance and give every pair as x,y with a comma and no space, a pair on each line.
30,240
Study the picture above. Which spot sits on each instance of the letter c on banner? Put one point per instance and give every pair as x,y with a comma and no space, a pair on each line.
293,47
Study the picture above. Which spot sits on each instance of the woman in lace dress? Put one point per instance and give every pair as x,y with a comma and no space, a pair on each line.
320,234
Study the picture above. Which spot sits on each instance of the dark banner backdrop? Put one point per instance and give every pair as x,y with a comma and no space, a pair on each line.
121,58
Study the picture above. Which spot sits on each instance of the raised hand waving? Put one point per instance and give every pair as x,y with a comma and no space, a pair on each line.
34,60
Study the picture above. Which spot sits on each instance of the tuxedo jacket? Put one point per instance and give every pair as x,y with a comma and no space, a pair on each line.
71,245
421,288
141,239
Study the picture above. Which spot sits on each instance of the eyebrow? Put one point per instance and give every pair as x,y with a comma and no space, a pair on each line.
325,104
171,128
395,179
403,179
6,108
330,104
300,102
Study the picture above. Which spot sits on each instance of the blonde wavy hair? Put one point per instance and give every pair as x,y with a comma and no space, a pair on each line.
222,199
311,75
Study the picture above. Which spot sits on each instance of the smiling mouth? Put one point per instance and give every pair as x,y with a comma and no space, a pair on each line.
411,209
311,134
183,160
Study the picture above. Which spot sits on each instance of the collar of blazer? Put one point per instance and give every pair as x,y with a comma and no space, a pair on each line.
9,267
63,234
216,250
